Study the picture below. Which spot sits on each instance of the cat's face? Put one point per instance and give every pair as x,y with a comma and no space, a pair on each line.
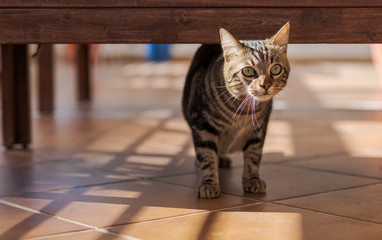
258,69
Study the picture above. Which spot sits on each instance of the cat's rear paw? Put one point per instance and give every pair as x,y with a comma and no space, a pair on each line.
254,185
224,162
208,191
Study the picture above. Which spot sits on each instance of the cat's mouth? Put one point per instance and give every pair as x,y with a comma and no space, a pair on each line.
262,97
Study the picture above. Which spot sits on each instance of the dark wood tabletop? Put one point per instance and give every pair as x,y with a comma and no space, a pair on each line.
189,3
187,21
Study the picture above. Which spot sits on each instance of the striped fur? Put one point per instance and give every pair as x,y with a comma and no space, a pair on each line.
228,111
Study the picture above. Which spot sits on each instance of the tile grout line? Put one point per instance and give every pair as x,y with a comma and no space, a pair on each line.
277,199
44,159
328,191
134,178
68,188
302,158
60,234
189,214
330,171
89,227
327,213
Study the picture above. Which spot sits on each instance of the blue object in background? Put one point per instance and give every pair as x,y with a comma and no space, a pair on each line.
158,52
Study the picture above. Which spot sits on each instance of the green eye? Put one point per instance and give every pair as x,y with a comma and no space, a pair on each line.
249,72
276,69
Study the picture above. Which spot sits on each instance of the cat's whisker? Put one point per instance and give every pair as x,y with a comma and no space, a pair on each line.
245,102
254,109
229,99
237,96
240,107
245,122
254,118
234,85
222,93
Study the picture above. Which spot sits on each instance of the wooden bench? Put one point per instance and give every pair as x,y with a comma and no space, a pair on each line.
167,21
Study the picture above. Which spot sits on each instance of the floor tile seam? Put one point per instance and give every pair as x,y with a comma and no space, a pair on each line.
170,175
181,174
149,132
331,171
223,193
328,191
187,215
302,158
101,230
68,188
59,234
298,196
90,139
137,178
38,162
87,226
158,180
328,213
279,199
138,175
15,205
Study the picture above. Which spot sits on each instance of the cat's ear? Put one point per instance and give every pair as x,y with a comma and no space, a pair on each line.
281,38
231,47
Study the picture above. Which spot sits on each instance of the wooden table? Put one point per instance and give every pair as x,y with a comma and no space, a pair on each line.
167,21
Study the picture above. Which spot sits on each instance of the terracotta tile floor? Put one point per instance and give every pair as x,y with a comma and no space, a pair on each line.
122,167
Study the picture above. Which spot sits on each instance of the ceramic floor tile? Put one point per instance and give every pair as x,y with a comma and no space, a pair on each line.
63,135
50,176
282,181
361,166
121,138
142,148
360,138
359,203
85,235
17,223
14,158
262,221
278,148
141,165
136,164
300,128
298,139
127,202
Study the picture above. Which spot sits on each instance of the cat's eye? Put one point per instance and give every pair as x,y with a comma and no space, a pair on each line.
276,69
249,72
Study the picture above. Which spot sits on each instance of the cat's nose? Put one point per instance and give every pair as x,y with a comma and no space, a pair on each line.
265,85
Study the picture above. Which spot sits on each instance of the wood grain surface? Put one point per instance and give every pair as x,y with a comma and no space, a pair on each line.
189,3
188,25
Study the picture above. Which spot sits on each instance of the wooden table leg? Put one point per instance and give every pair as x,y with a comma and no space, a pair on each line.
84,87
15,96
46,79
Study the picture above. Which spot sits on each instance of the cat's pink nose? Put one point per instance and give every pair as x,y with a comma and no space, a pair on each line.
265,85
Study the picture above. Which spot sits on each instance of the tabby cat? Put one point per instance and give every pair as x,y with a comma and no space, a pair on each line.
227,101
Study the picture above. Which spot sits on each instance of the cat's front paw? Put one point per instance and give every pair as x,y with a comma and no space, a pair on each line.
254,185
208,191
